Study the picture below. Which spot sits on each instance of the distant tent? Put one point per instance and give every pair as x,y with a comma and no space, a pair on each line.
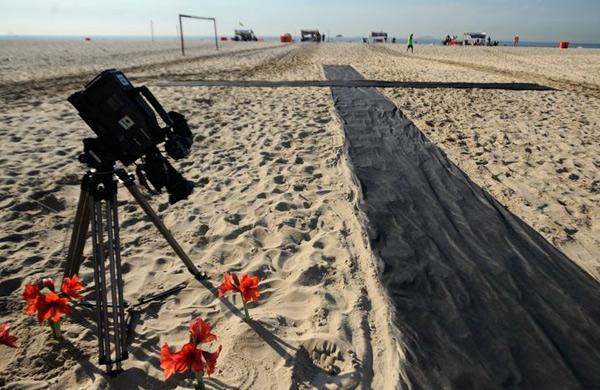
244,35
310,35
477,37
379,36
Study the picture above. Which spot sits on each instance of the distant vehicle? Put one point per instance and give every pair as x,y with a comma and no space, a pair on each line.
286,38
244,35
474,38
310,36
378,37
451,41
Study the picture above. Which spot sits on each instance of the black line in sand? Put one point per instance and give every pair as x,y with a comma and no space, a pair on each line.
351,83
481,299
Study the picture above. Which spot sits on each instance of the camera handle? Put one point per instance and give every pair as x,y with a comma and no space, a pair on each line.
154,103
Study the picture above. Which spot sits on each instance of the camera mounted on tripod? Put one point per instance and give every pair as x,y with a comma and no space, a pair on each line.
123,118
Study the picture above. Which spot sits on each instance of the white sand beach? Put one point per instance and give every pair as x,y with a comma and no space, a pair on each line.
275,197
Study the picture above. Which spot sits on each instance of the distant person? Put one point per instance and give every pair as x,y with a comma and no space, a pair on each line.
410,44
516,40
489,42
323,38
394,40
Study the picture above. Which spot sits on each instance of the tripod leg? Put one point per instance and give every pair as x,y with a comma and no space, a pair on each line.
114,250
80,231
139,197
100,281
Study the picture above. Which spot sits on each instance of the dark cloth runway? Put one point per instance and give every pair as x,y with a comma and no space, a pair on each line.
481,299
351,83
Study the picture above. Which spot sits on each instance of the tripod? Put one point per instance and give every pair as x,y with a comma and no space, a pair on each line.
97,207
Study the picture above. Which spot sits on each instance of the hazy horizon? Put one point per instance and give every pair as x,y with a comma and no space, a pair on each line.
533,20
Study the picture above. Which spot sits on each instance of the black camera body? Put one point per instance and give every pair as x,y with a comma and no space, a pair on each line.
123,117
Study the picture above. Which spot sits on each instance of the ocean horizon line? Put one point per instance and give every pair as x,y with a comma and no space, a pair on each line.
334,39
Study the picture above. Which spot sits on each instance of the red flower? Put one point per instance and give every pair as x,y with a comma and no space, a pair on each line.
227,284
52,307
188,358
6,338
249,288
71,286
31,295
200,332
166,361
211,359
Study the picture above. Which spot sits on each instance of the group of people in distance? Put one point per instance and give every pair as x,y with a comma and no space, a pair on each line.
450,41
453,41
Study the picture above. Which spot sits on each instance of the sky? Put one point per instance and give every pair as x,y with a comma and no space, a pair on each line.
533,20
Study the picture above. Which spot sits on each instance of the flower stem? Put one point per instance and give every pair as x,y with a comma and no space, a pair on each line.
247,316
55,326
199,381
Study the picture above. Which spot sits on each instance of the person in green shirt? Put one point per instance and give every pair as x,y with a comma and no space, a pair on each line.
410,43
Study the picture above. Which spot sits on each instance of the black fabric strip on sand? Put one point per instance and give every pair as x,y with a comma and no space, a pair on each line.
481,299
351,83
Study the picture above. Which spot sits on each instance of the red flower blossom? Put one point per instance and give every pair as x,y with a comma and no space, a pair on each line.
200,332
211,359
31,295
6,338
249,288
228,285
71,286
166,361
188,358
52,307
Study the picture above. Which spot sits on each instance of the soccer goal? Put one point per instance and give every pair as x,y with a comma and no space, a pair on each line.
181,16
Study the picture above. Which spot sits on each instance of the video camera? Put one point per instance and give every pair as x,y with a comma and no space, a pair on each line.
121,115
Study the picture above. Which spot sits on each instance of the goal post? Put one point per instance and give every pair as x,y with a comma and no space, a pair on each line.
181,16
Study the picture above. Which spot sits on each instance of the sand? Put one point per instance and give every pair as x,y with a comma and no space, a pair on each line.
275,197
